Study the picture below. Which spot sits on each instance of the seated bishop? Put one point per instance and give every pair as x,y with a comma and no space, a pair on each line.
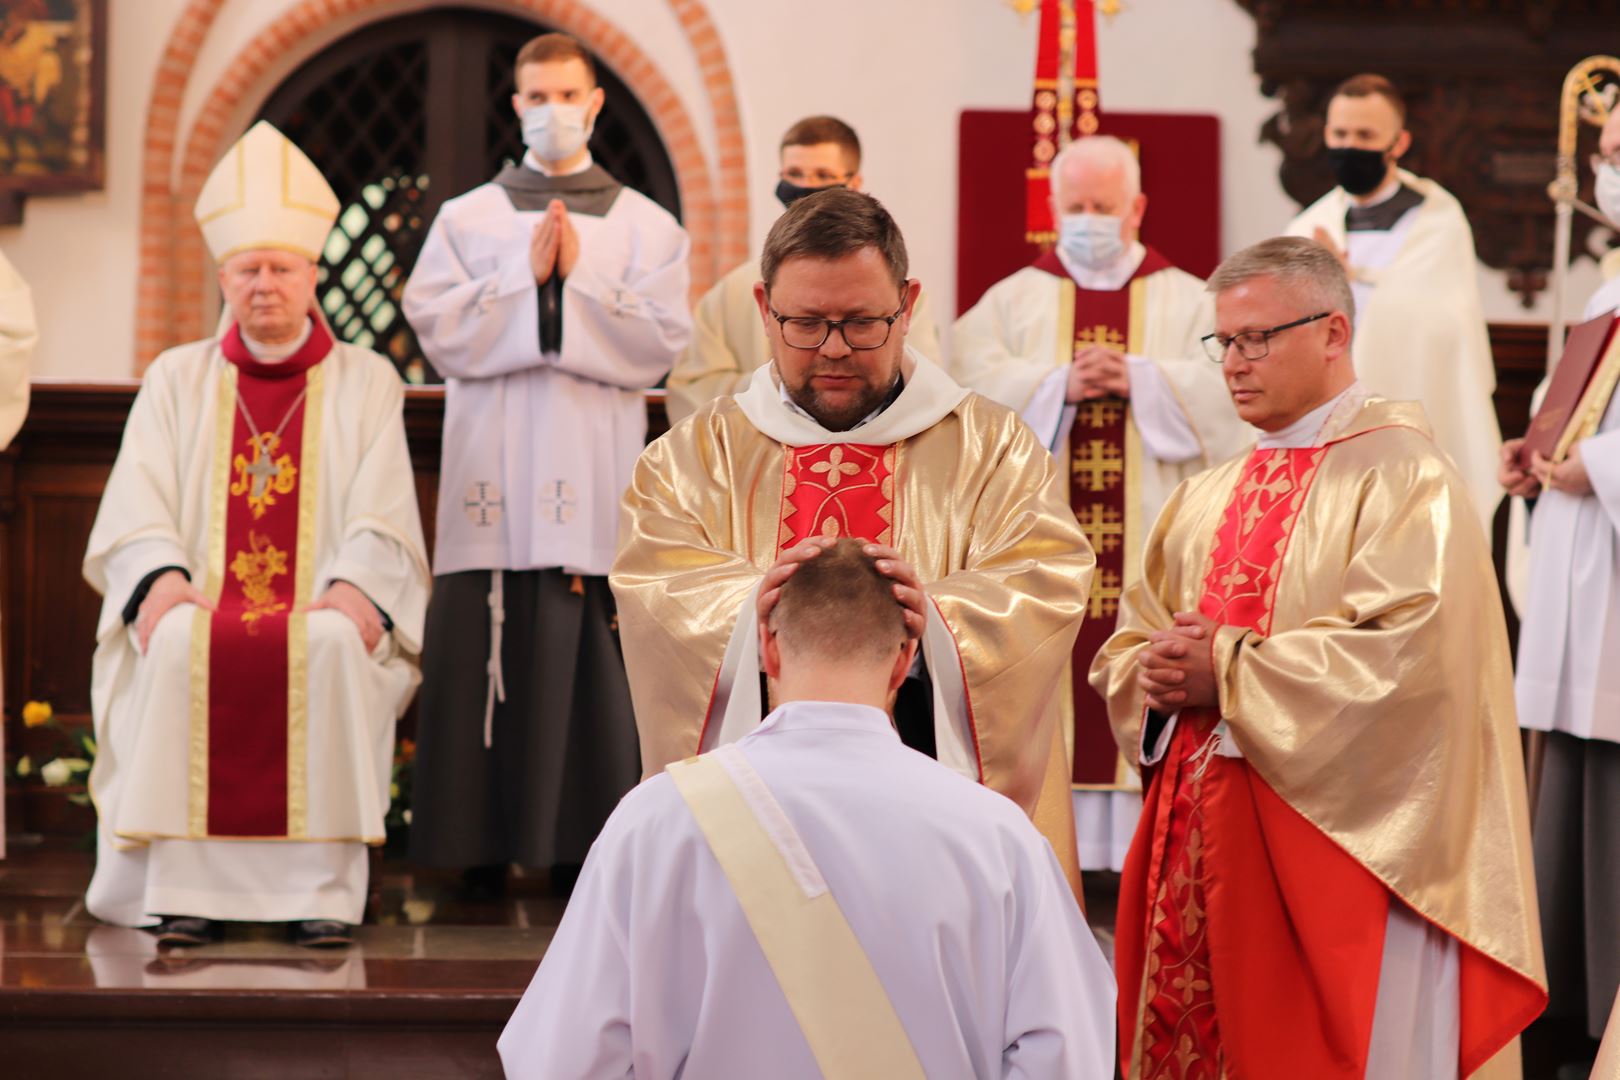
260,556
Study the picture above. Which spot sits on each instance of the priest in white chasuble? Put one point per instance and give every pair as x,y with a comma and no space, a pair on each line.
1332,874
848,433
551,298
1568,683
1406,243
728,342
1096,345
265,581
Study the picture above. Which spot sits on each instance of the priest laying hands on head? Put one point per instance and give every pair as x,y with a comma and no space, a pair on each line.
265,583
1331,876
816,899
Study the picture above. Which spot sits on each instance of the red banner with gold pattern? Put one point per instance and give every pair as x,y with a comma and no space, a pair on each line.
838,489
255,690
1065,104
1220,863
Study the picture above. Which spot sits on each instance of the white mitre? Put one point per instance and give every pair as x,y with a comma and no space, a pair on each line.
266,193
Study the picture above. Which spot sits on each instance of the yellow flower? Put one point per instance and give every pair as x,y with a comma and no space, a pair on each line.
37,713
25,766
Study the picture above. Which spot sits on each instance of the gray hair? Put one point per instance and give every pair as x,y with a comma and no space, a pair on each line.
1104,151
1307,269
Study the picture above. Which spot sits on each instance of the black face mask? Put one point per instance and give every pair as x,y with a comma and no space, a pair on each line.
790,193
1358,171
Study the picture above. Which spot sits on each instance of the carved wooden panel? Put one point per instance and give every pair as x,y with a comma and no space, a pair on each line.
1482,80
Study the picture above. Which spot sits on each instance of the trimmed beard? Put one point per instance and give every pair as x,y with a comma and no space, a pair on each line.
868,401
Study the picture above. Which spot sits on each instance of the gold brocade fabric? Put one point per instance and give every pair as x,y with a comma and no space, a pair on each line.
979,510
1380,706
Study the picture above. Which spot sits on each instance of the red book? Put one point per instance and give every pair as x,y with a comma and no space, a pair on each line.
1583,350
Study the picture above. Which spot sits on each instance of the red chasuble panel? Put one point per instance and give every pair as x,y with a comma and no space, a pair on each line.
251,674
1181,174
838,489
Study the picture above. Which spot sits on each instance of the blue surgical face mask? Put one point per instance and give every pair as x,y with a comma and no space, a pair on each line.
1094,241
555,132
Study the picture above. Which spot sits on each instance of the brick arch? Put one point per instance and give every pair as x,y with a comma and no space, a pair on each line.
173,260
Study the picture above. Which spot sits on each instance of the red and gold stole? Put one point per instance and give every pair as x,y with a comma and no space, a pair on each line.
1105,454
249,662
1249,944
838,489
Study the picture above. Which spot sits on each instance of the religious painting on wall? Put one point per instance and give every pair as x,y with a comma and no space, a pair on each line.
52,95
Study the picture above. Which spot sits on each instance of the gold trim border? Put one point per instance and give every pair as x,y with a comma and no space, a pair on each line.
298,621
213,584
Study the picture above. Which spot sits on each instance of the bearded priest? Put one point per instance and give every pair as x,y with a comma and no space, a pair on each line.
1332,875
850,433
264,579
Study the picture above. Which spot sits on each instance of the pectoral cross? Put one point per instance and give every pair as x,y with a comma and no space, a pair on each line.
263,470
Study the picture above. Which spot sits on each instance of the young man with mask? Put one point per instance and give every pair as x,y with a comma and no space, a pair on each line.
1406,244
1096,345
728,343
1568,686
551,299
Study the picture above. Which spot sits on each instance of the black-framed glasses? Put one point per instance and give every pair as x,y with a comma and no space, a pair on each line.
1252,344
860,332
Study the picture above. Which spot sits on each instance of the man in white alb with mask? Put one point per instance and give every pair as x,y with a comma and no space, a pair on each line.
550,299
1096,345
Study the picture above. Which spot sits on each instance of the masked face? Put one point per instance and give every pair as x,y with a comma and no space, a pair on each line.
789,192
1358,171
1094,241
1608,192
807,169
555,132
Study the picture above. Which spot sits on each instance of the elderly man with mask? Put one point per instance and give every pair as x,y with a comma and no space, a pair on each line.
1569,686
728,343
265,580
1096,345
1406,244
551,299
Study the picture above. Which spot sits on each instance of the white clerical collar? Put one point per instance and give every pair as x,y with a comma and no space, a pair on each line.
1107,278
269,354
867,419
929,396
825,716
1308,429
532,161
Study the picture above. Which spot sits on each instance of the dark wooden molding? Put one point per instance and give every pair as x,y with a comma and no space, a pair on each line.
1482,82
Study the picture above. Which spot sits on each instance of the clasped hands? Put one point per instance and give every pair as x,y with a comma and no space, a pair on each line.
1568,476
173,588
907,589
1177,669
1098,372
553,245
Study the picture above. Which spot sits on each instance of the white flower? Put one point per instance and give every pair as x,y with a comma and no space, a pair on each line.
76,764
407,816
56,772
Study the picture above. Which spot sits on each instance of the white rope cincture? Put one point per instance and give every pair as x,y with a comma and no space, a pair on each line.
497,680
1206,754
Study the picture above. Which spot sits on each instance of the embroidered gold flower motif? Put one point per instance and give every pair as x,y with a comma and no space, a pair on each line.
836,467
257,569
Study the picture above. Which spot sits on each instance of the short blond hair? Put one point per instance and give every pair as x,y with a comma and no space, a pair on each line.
1306,268
838,605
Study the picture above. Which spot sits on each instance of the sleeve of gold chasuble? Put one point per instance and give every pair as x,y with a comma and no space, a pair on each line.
679,587
1015,606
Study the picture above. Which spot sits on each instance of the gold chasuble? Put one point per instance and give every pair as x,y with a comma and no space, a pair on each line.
957,484
1105,477
250,657
1363,676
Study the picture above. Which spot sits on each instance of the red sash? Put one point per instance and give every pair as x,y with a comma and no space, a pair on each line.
1100,465
256,669
1247,939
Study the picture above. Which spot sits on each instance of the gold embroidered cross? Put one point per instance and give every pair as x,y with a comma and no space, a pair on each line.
265,476
1100,334
1100,465
1103,526
1105,594
1101,413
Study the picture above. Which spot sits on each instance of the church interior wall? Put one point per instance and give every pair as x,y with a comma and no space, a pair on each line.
900,79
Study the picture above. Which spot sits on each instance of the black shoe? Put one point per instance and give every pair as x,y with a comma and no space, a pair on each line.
185,931
321,933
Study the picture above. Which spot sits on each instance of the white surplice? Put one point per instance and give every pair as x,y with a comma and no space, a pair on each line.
729,343
1421,334
155,513
1568,675
1006,348
958,901
539,445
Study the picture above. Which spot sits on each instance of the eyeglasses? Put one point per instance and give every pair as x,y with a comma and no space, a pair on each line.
1252,344
861,332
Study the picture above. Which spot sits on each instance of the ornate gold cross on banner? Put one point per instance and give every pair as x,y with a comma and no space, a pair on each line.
265,476
1105,336
1101,465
